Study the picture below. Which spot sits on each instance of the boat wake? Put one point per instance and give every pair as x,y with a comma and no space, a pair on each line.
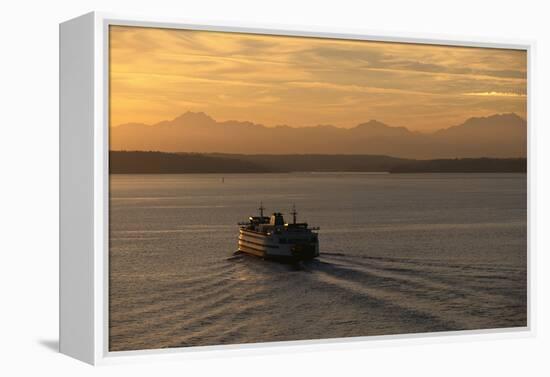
433,295
243,299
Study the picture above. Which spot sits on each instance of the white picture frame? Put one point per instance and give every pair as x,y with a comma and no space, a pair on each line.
84,196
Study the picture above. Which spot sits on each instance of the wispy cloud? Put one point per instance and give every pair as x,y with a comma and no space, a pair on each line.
496,94
160,73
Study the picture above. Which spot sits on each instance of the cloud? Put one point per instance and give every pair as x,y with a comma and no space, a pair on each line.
496,94
155,73
356,88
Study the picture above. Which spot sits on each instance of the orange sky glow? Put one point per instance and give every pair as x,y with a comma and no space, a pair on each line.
159,74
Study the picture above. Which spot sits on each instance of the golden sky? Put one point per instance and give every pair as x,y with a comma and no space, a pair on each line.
159,74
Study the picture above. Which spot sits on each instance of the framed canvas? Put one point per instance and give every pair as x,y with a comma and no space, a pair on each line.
258,188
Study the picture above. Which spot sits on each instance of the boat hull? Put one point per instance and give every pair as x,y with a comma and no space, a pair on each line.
270,247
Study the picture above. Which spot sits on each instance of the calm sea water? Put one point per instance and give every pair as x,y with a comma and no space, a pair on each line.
400,253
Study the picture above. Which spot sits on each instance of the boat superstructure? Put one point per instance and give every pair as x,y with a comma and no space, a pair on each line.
270,237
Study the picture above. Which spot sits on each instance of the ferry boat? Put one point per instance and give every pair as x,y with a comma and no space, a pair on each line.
272,238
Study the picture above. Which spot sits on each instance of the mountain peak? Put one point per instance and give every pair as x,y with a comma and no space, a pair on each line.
374,128
507,115
195,118
495,119
373,124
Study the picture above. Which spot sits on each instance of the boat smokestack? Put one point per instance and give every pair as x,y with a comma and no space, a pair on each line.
261,209
294,213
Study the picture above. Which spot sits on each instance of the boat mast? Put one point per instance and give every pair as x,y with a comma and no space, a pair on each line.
294,213
261,209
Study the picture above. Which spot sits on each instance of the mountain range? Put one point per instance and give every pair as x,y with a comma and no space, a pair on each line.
497,136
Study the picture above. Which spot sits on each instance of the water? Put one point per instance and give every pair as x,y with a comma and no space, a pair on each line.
400,253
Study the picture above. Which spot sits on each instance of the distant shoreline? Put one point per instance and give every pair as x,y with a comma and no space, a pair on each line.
152,162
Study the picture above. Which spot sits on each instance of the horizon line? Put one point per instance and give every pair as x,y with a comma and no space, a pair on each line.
318,125
318,154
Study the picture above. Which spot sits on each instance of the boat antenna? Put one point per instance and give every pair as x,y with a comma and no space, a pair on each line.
294,213
261,209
